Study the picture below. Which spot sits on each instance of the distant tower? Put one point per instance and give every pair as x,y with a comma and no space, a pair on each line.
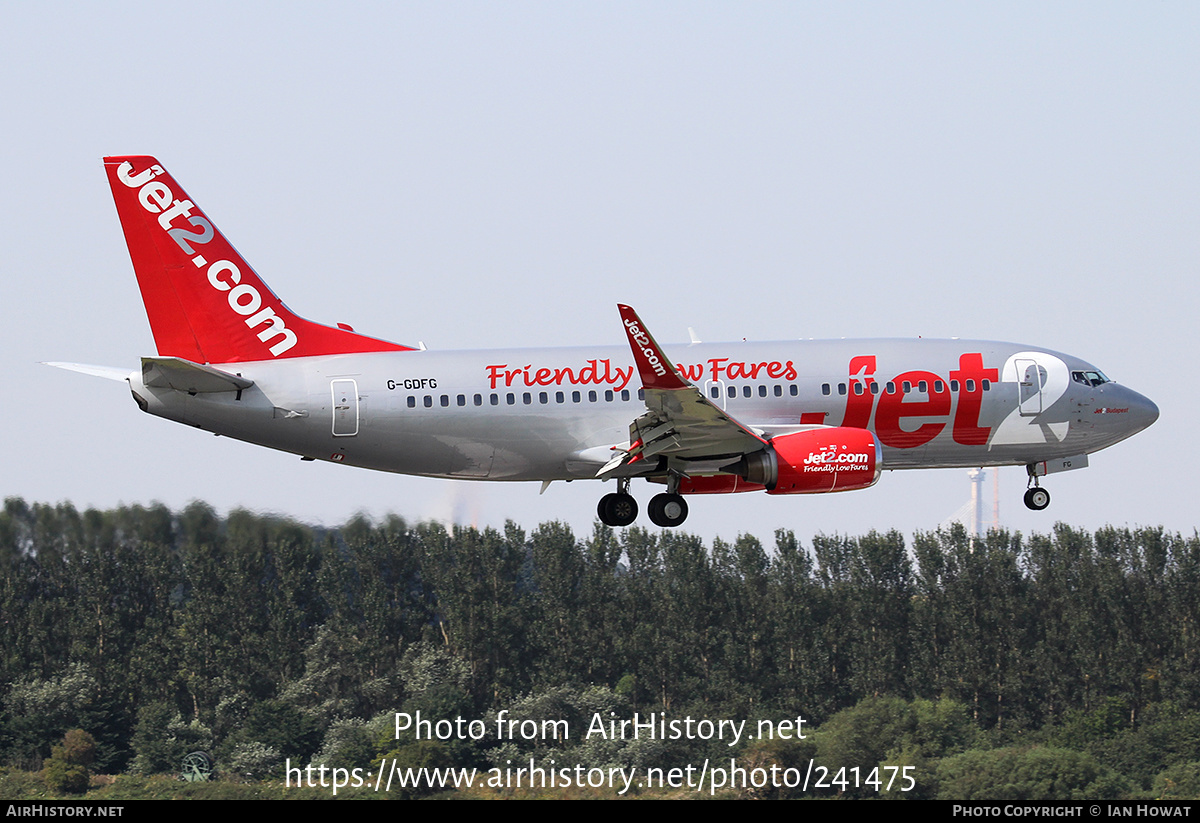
996,498
970,514
977,477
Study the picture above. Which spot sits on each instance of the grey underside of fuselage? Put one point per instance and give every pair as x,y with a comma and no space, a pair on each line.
449,414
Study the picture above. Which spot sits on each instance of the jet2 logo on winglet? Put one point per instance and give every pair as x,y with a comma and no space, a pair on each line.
643,341
157,198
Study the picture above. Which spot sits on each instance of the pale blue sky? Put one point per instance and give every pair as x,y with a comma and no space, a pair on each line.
483,175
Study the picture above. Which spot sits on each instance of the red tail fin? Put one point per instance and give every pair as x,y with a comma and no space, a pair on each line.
204,301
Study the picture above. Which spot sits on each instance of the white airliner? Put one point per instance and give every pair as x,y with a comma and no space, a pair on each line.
794,417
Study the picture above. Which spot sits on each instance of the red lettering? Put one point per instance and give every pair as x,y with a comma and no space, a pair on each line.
623,377
608,378
967,430
859,400
715,363
588,373
895,406
494,373
613,375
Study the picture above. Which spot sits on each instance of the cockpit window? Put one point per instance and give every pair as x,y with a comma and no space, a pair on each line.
1089,378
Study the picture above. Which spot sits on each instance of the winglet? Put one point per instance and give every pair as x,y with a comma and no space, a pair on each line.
655,368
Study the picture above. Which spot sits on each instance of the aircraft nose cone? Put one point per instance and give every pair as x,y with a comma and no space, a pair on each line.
1142,410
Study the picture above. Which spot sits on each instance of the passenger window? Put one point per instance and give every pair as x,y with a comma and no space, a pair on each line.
794,390
923,386
543,398
987,385
746,391
559,397
479,400
953,385
891,388
907,386
715,392
495,398
841,388
874,387
970,386
608,396
445,400
939,386
641,394
575,397
762,391
412,402
429,401
624,394
462,400
511,399
591,397
527,398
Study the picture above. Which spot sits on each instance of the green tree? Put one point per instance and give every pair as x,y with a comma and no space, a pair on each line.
1027,774
69,767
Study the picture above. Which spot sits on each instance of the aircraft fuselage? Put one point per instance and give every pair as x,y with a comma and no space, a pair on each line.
540,414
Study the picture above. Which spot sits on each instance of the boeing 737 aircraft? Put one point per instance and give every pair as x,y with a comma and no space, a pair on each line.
794,417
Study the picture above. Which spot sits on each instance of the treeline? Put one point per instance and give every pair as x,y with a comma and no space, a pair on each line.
260,637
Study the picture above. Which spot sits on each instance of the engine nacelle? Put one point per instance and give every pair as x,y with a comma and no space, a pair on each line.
815,461
717,484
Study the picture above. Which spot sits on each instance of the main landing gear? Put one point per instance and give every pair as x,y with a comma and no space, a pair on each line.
620,509
668,510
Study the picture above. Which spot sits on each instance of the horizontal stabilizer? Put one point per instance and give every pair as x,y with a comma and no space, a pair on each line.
184,375
107,372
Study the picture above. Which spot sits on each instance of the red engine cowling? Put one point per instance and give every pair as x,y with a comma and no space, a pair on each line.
816,461
717,484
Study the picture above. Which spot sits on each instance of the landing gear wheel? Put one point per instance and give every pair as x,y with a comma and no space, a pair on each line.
617,509
1037,498
668,510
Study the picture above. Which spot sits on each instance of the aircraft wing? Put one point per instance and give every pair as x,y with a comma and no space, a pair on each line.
679,422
